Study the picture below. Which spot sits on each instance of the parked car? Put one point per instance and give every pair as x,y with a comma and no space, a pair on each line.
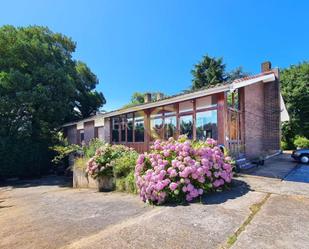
301,155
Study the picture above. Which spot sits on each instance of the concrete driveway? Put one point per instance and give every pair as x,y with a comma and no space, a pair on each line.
258,212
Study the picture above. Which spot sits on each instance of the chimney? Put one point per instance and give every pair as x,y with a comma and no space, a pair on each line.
147,98
266,66
159,96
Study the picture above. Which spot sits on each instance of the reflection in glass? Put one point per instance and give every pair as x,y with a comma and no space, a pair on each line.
123,128
206,125
130,127
186,126
139,127
115,129
170,127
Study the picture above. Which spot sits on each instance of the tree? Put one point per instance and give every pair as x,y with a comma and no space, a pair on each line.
295,91
235,74
88,100
139,98
211,71
40,87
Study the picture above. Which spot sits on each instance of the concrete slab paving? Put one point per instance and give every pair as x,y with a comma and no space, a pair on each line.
60,217
283,222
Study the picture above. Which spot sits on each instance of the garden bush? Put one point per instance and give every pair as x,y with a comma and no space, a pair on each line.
104,160
301,142
181,170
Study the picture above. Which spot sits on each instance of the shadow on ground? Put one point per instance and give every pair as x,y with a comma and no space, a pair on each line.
53,180
237,189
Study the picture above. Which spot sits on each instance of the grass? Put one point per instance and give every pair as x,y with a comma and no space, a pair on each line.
255,208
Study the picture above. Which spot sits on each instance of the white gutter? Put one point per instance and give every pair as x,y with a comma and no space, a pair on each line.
263,78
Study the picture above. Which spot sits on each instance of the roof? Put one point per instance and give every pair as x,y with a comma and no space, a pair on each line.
191,94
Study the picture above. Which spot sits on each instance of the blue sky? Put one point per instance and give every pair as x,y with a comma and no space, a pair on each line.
153,45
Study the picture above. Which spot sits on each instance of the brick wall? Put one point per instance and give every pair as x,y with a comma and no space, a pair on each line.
262,118
253,119
272,115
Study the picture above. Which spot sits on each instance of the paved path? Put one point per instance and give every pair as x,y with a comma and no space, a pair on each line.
259,212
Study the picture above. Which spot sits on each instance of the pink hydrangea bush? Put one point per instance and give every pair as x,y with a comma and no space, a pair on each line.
181,170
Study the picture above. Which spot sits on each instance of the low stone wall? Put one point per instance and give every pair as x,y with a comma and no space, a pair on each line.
80,180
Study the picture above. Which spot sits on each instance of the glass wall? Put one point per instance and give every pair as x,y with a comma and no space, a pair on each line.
206,125
196,118
139,127
130,127
186,126
123,124
170,127
115,129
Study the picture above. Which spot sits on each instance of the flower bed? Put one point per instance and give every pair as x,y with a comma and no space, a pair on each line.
181,170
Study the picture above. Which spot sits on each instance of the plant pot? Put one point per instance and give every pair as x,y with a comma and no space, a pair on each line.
105,183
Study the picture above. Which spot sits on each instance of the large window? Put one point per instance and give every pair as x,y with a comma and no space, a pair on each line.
156,124
139,127
170,127
130,127
206,125
123,124
115,129
186,126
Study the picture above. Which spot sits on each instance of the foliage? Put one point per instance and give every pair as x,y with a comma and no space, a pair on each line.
181,170
301,142
41,87
126,184
138,98
295,92
81,163
63,149
103,162
90,149
125,164
284,145
211,71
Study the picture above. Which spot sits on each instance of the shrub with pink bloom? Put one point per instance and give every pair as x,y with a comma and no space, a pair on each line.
179,170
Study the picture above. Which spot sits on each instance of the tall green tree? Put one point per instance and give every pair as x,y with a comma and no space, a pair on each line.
295,91
41,86
211,71
88,99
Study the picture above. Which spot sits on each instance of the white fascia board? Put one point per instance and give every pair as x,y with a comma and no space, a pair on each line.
171,100
263,78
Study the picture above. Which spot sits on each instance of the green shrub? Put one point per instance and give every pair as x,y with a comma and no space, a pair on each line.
81,163
284,145
301,142
90,149
125,164
126,184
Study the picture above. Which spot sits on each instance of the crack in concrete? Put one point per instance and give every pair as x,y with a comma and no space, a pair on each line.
255,208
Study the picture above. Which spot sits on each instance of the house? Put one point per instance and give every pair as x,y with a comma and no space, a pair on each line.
244,115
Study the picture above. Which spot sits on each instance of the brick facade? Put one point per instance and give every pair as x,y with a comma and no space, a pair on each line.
254,119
